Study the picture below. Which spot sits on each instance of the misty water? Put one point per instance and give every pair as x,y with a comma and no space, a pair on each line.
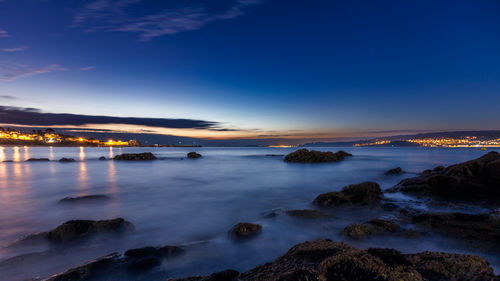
194,202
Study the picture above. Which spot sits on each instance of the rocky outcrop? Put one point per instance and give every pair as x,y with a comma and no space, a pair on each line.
372,227
245,230
307,214
135,156
395,171
75,229
148,257
471,180
88,270
314,156
102,158
193,155
66,160
326,260
94,197
365,193
38,159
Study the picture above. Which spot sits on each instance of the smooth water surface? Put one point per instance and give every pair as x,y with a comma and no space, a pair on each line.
194,202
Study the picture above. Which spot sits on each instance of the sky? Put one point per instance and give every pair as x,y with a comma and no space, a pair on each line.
251,69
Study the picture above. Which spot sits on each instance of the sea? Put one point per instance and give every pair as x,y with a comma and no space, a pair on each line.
193,203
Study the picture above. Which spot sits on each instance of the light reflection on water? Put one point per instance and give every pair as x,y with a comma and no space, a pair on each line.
176,201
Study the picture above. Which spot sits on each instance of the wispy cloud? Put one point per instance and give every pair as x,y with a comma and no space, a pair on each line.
86,68
3,34
16,71
7,97
162,18
12,50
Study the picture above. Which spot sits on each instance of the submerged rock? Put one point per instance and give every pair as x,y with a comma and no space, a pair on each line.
244,230
314,156
88,270
395,171
145,258
193,155
364,193
75,229
326,260
135,156
102,158
471,180
66,160
93,197
372,227
307,214
37,159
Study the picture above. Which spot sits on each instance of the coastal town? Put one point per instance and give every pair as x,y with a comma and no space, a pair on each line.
468,141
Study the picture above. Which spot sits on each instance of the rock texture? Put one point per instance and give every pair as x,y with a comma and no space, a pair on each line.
135,156
314,156
364,193
471,180
244,230
323,260
372,227
193,155
76,229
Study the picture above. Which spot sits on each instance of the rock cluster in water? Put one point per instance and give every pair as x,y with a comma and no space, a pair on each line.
135,156
322,260
92,197
75,229
193,155
475,179
364,193
395,171
245,230
314,156
66,160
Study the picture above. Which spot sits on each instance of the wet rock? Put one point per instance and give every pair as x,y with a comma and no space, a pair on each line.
244,230
477,179
37,159
365,193
395,171
145,258
226,275
66,160
307,214
135,156
76,229
372,227
326,260
102,158
314,156
479,227
87,271
93,197
193,155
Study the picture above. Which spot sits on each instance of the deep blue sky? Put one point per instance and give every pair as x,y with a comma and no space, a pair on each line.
260,68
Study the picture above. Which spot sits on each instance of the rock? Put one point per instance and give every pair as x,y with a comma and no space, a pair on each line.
226,275
479,227
102,158
193,155
372,227
365,193
145,258
314,156
326,260
307,214
87,271
245,230
389,207
37,159
66,160
395,171
477,179
93,197
135,156
275,155
76,229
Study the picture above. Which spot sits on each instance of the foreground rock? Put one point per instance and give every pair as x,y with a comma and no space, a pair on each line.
479,227
307,214
314,156
94,197
365,193
75,229
322,260
395,171
193,155
245,230
136,260
472,180
135,156
372,227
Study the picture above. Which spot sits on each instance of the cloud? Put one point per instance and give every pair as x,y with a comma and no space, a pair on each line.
86,68
16,71
7,97
34,117
3,34
156,18
12,50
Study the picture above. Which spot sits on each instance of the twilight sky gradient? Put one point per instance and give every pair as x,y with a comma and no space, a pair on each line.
252,68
